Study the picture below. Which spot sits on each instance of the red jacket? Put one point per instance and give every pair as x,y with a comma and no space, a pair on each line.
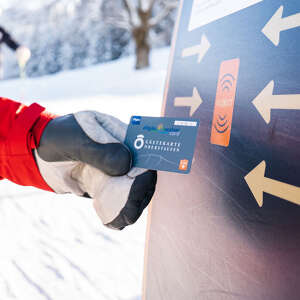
21,128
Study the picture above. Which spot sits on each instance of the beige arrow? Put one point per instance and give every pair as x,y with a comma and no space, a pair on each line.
193,102
199,50
266,101
277,24
259,184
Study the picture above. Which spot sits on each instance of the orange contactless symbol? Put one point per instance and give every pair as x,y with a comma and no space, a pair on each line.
224,105
183,165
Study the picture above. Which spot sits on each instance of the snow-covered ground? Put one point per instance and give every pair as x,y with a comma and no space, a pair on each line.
54,247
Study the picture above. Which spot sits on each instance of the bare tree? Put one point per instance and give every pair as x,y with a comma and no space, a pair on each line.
139,19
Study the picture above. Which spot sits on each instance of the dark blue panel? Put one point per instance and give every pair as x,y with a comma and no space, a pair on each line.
252,139
273,229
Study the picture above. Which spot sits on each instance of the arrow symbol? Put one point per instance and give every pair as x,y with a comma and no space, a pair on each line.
199,50
193,102
277,24
259,184
266,101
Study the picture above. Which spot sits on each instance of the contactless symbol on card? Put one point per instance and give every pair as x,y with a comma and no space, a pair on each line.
165,144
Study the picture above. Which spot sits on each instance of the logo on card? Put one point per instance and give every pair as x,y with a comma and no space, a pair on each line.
139,142
183,165
136,120
163,130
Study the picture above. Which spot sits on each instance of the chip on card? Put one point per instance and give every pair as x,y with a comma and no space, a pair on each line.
165,144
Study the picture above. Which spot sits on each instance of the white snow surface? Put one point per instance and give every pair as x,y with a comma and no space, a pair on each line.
54,247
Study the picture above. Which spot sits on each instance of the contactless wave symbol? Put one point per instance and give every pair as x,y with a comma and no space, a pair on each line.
224,103
222,124
227,82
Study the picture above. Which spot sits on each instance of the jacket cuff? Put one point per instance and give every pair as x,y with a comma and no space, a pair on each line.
17,162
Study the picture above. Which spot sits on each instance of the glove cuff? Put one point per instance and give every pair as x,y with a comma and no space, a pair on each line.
38,129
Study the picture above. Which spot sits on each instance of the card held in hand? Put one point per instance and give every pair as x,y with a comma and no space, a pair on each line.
165,144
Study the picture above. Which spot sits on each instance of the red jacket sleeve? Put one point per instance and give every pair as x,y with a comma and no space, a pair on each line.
21,128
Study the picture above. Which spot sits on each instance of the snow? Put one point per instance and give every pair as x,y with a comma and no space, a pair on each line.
33,4
54,246
72,34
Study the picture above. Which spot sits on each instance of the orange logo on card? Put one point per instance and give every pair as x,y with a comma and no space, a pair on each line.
183,165
224,105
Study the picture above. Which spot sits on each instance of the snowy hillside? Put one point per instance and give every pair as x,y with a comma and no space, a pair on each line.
70,34
54,247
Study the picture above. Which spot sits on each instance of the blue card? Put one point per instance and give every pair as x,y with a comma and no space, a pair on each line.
165,144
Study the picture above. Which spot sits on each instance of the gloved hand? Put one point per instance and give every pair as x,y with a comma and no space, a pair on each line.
84,154
23,55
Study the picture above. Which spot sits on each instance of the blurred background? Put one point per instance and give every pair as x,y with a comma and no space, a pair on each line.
70,34
104,55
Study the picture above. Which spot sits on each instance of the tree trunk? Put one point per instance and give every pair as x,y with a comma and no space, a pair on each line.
141,35
142,52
